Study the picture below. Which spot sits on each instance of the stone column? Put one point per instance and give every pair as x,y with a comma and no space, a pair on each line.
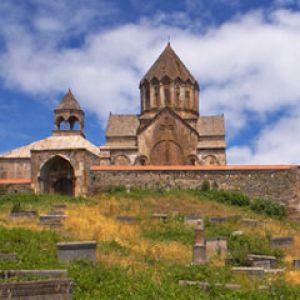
199,248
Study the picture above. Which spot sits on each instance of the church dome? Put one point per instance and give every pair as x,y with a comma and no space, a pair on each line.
168,83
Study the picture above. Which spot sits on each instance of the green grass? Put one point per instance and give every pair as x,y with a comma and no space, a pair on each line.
156,279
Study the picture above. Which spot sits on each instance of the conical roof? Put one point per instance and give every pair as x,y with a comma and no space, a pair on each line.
68,102
169,64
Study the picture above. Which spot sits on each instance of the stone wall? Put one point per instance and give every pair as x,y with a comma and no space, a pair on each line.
7,187
278,183
15,168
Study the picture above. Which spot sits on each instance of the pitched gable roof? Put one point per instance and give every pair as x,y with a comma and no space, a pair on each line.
68,102
53,143
122,125
169,64
174,114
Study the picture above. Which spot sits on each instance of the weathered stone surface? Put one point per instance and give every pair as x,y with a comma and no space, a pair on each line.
296,264
205,285
252,271
56,213
218,220
282,241
237,233
37,290
24,214
192,219
199,254
250,222
126,219
6,274
278,184
263,261
75,250
160,217
59,206
274,271
216,246
52,221
8,256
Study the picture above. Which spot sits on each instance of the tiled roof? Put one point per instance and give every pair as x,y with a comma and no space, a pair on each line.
191,168
68,102
15,181
211,125
53,143
169,64
122,125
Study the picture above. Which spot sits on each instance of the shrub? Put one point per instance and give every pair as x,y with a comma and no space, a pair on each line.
268,207
16,207
205,187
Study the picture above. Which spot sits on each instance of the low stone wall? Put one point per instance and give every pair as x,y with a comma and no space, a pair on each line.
58,289
279,183
8,186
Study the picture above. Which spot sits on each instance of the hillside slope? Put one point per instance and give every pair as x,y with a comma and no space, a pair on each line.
146,259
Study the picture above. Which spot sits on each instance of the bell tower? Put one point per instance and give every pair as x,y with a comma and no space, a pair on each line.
68,116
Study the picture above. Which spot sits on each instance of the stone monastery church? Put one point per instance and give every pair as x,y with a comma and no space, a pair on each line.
168,132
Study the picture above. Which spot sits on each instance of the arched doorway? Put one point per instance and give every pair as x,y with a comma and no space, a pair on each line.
57,176
166,152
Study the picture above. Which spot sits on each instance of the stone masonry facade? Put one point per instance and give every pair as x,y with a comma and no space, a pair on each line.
278,183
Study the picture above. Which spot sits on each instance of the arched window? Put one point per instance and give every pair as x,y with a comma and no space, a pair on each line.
74,123
167,95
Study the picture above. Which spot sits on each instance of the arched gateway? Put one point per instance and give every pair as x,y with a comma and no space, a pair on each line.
57,176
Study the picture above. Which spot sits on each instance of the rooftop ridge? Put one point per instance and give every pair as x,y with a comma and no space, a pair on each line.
192,168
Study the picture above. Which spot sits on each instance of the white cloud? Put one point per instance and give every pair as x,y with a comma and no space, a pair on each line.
278,143
248,66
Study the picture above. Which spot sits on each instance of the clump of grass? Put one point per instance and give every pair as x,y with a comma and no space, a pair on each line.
33,249
169,232
268,207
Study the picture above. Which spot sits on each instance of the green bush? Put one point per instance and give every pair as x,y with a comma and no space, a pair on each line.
205,187
16,207
241,246
268,207
233,198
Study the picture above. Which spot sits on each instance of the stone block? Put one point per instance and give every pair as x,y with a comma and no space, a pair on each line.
274,271
59,206
37,290
263,261
6,274
250,222
237,233
76,250
126,219
52,220
296,264
218,220
199,254
160,217
282,241
192,219
205,285
216,246
234,218
56,213
8,256
251,271
24,214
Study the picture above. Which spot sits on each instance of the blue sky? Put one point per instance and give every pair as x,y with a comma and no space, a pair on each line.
244,53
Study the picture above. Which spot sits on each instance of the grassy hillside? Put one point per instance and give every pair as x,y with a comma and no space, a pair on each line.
145,260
